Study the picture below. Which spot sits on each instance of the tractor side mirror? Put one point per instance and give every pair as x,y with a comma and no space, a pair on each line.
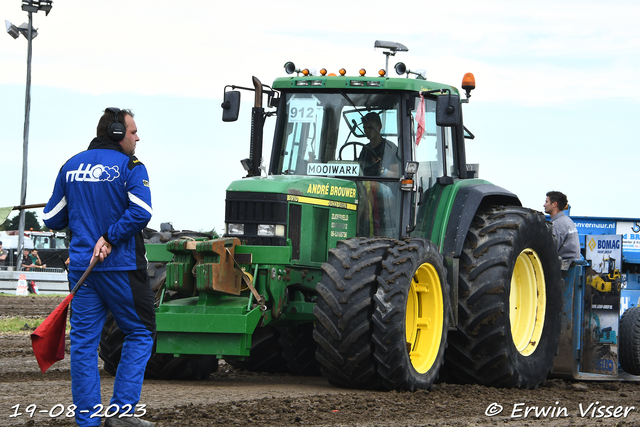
448,110
231,106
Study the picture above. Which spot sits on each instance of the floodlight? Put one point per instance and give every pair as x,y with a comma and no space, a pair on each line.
12,29
45,6
36,5
290,67
24,29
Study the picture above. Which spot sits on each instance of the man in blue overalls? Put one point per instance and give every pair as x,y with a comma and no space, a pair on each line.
103,196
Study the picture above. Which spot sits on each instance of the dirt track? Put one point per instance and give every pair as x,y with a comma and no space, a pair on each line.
233,397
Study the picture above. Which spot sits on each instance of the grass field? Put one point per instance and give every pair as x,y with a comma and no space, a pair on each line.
18,325
23,314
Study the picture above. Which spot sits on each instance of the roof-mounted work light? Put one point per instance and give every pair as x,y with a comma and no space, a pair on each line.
401,69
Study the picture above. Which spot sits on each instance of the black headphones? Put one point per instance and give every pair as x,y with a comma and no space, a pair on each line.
115,130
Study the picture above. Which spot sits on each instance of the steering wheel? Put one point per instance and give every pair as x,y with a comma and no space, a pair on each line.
354,149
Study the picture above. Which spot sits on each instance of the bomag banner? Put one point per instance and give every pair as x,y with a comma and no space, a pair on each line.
602,304
603,251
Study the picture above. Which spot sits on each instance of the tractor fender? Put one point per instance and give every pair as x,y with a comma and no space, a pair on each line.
468,200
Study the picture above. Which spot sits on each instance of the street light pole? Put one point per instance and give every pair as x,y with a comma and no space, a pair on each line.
28,6
25,145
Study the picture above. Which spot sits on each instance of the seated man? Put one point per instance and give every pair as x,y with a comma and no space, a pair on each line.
27,261
35,259
380,157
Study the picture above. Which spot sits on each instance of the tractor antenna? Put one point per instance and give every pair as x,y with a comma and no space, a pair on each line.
392,48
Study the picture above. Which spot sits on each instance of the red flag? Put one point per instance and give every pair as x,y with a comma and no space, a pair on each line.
420,120
47,340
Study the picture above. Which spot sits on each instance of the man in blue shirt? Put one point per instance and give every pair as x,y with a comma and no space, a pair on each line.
103,196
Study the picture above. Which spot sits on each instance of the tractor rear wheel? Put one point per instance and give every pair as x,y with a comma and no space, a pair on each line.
160,366
630,341
411,319
509,300
343,330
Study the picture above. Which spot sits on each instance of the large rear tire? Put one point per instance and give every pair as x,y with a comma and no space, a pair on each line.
630,341
509,301
411,319
344,310
160,366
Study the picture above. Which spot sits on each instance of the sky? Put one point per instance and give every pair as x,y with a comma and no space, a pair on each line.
556,88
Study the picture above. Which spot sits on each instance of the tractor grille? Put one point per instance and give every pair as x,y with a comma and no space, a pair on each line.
253,209
295,225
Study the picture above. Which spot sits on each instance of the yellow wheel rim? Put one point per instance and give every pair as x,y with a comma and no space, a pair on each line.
424,318
527,302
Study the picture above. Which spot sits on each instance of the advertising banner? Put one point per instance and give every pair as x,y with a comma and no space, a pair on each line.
602,304
630,231
604,250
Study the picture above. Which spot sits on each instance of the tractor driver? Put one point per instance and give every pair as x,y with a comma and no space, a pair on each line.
564,230
380,156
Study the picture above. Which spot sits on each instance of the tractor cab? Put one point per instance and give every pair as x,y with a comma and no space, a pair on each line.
392,139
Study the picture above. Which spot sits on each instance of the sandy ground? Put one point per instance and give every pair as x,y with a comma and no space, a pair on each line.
232,397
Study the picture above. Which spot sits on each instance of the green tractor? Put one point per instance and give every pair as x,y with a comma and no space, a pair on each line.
368,252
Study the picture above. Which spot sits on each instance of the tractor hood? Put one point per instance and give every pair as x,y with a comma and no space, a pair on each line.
295,186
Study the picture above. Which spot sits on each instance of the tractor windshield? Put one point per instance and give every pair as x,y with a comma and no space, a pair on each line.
341,134
351,136
355,136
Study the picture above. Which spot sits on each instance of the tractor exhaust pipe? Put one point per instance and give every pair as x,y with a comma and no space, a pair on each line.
257,126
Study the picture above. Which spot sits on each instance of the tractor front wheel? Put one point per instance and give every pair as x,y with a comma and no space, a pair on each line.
411,319
343,330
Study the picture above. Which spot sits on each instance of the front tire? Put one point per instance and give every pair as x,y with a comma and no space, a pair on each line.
411,319
509,301
343,313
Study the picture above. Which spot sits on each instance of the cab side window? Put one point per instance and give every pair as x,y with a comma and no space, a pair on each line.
434,150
